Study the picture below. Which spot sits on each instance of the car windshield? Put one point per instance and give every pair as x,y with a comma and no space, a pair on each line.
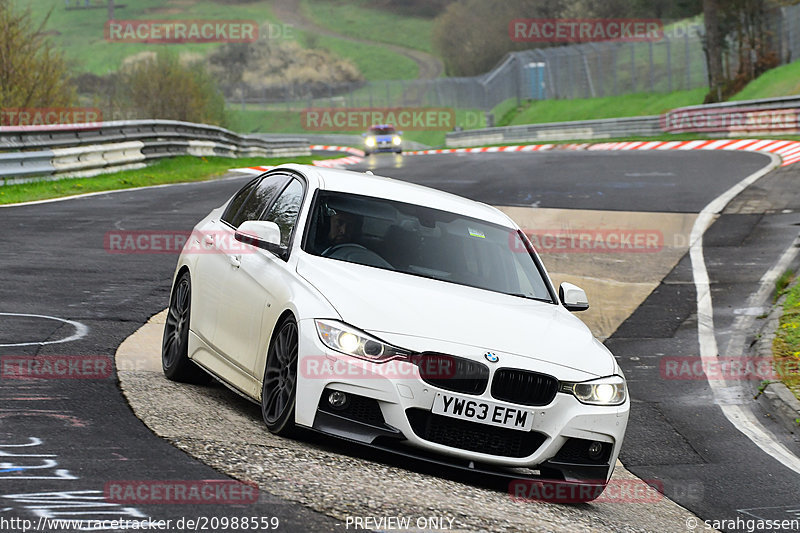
424,242
381,130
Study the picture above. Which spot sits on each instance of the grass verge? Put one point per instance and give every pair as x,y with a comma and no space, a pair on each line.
173,170
786,345
254,120
628,105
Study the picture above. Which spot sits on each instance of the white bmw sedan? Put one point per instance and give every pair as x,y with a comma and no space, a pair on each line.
399,317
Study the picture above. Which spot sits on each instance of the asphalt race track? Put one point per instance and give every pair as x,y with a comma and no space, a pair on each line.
54,263
72,437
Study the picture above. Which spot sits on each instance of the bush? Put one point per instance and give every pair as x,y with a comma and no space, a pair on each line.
267,65
32,74
471,36
161,86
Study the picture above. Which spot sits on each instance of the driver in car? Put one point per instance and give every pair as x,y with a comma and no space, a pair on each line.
340,236
342,228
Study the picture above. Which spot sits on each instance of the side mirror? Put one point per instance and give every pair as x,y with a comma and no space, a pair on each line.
363,134
573,297
259,233
399,133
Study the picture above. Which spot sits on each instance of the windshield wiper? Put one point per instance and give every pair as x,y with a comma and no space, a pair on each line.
520,295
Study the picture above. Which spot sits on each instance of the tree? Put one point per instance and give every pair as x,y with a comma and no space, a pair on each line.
739,44
714,41
471,36
162,87
32,73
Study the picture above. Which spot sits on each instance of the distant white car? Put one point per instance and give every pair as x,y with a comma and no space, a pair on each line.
399,317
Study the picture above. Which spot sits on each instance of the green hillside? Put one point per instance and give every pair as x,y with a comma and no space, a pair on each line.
541,111
781,81
80,34
361,20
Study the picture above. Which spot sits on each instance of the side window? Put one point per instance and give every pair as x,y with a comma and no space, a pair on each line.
255,203
285,210
238,200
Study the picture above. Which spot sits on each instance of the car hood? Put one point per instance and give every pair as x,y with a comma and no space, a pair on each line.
381,301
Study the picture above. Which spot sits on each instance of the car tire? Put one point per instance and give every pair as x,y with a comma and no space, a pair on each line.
175,360
279,387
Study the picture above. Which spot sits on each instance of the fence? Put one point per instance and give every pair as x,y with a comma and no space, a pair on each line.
677,61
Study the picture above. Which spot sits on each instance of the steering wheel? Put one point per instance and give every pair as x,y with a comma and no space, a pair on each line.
355,253
330,250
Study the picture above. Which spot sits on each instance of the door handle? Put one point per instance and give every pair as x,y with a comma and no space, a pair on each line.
236,260
208,239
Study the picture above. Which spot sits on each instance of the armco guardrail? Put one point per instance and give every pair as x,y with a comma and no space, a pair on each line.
774,116
75,150
769,116
23,164
558,131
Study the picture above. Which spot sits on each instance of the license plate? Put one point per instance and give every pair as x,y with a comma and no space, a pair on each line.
483,412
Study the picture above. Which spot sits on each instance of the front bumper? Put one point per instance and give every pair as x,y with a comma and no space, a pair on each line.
384,146
391,410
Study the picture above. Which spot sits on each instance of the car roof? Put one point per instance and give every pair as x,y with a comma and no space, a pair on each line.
381,126
402,191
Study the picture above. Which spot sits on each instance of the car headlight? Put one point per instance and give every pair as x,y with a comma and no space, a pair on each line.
610,390
396,140
346,339
370,141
